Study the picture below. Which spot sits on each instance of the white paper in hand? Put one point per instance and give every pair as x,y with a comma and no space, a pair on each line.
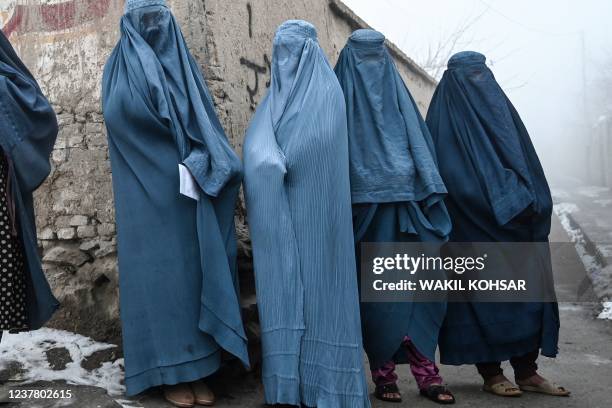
188,187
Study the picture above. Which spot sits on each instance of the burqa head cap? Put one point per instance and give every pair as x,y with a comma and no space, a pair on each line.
296,28
366,38
134,4
466,58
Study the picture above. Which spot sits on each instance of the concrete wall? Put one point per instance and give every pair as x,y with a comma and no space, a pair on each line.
66,43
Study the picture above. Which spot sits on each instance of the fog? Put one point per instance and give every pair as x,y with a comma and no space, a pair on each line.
548,55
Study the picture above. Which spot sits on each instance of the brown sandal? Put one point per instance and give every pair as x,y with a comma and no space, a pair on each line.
503,389
179,395
203,394
546,387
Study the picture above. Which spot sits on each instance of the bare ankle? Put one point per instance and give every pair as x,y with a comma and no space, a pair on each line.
496,379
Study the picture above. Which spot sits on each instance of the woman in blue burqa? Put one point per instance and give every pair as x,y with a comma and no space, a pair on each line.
299,211
497,192
175,181
28,129
397,196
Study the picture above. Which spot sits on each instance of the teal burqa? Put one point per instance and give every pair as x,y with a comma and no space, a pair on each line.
28,129
177,266
396,188
299,212
497,192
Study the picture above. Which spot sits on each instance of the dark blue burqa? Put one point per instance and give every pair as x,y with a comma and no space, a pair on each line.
179,295
497,193
397,192
28,129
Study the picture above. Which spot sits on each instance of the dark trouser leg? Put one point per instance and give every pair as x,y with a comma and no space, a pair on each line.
525,366
489,370
425,372
385,375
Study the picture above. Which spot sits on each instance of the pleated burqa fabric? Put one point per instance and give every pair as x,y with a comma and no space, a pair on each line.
299,211
177,266
28,129
497,193
397,192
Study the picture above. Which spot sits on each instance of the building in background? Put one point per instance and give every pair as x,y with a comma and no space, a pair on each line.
599,154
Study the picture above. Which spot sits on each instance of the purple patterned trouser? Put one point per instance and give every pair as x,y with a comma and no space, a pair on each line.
425,371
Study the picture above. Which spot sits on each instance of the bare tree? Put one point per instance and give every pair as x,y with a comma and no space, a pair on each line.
437,54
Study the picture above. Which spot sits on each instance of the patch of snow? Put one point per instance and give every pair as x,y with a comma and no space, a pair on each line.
566,208
600,275
563,211
559,193
606,313
592,191
29,350
128,403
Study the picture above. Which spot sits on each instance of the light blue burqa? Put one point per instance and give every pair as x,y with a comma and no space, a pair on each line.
299,212
177,266
396,188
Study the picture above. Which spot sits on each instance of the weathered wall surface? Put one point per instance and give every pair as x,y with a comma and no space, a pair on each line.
66,43
239,36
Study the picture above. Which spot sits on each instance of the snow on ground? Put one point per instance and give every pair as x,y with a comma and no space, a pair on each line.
127,403
601,276
606,313
559,193
563,211
29,350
